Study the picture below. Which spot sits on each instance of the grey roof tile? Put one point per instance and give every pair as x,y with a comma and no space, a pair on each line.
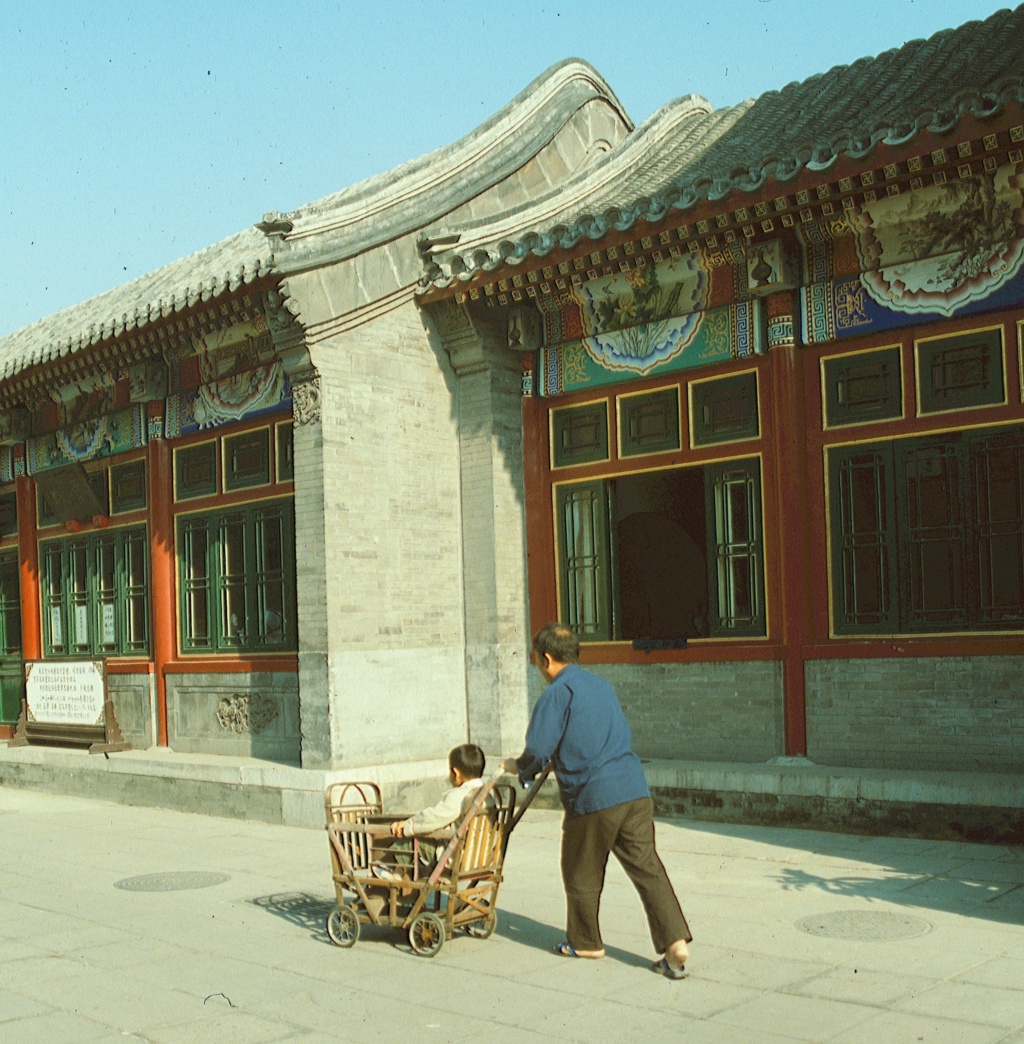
688,152
342,225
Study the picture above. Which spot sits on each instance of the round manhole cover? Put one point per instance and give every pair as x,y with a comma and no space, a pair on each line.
173,881
865,925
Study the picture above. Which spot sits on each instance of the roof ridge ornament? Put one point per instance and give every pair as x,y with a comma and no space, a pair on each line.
275,223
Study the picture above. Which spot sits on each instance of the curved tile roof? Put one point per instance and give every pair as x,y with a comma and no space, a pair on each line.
671,162
234,262
340,225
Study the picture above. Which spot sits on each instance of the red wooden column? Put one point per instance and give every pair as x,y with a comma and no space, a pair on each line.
790,446
540,537
28,568
162,584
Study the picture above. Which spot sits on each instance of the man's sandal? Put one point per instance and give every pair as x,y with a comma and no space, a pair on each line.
662,967
565,950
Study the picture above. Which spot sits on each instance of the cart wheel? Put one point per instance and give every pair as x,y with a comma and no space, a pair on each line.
343,926
426,934
485,928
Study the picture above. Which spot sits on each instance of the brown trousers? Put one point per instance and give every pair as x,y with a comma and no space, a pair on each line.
628,831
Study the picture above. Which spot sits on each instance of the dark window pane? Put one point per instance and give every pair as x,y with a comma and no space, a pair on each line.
999,470
247,459
128,487
194,556
725,409
8,515
285,460
106,594
10,606
650,422
863,387
583,525
661,585
45,515
195,471
135,592
935,544
737,558
961,371
579,434
232,579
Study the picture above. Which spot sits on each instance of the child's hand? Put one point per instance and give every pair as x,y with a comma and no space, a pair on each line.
398,828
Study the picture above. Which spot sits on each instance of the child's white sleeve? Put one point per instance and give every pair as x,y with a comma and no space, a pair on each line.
443,814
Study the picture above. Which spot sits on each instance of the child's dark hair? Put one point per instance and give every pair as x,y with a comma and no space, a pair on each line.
558,642
468,758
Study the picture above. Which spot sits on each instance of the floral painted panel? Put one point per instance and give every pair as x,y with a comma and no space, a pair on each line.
945,250
700,339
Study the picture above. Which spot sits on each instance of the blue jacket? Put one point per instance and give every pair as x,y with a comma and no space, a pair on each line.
578,722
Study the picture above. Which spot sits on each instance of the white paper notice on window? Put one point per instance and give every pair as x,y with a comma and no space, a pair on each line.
107,623
81,625
56,634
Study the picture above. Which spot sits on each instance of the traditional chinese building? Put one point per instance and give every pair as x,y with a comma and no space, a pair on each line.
738,394
257,487
774,432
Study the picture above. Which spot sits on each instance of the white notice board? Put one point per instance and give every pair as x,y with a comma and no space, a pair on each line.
65,692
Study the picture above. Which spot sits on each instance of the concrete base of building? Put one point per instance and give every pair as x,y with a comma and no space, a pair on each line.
794,792
233,787
968,806
986,807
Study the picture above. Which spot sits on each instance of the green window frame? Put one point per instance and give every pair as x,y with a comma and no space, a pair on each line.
671,554
10,605
237,579
927,534
95,594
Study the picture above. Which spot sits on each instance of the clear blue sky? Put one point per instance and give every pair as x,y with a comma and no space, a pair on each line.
136,133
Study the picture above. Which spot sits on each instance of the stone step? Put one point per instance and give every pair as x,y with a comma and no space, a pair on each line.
786,791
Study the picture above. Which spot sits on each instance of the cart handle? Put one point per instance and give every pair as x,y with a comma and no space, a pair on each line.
531,793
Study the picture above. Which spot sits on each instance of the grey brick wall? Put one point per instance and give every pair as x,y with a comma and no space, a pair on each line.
959,713
392,608
701,711
131,695
199,718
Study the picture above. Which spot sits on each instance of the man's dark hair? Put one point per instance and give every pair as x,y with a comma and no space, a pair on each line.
558,642
468,758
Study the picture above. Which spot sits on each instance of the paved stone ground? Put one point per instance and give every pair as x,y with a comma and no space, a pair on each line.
800,936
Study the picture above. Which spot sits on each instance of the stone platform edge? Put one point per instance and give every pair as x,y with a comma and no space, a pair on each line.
783,792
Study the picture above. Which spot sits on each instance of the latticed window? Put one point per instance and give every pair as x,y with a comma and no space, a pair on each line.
667,554
238,579
864,552
583,525
736,526
96,594
928,534
10,605
998,476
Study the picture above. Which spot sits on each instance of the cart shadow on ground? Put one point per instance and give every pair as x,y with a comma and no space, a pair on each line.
309,912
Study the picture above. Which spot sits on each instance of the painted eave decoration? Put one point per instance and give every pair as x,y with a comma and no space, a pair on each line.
688,153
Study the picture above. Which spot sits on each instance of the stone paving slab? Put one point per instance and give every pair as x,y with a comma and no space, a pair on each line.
156,925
